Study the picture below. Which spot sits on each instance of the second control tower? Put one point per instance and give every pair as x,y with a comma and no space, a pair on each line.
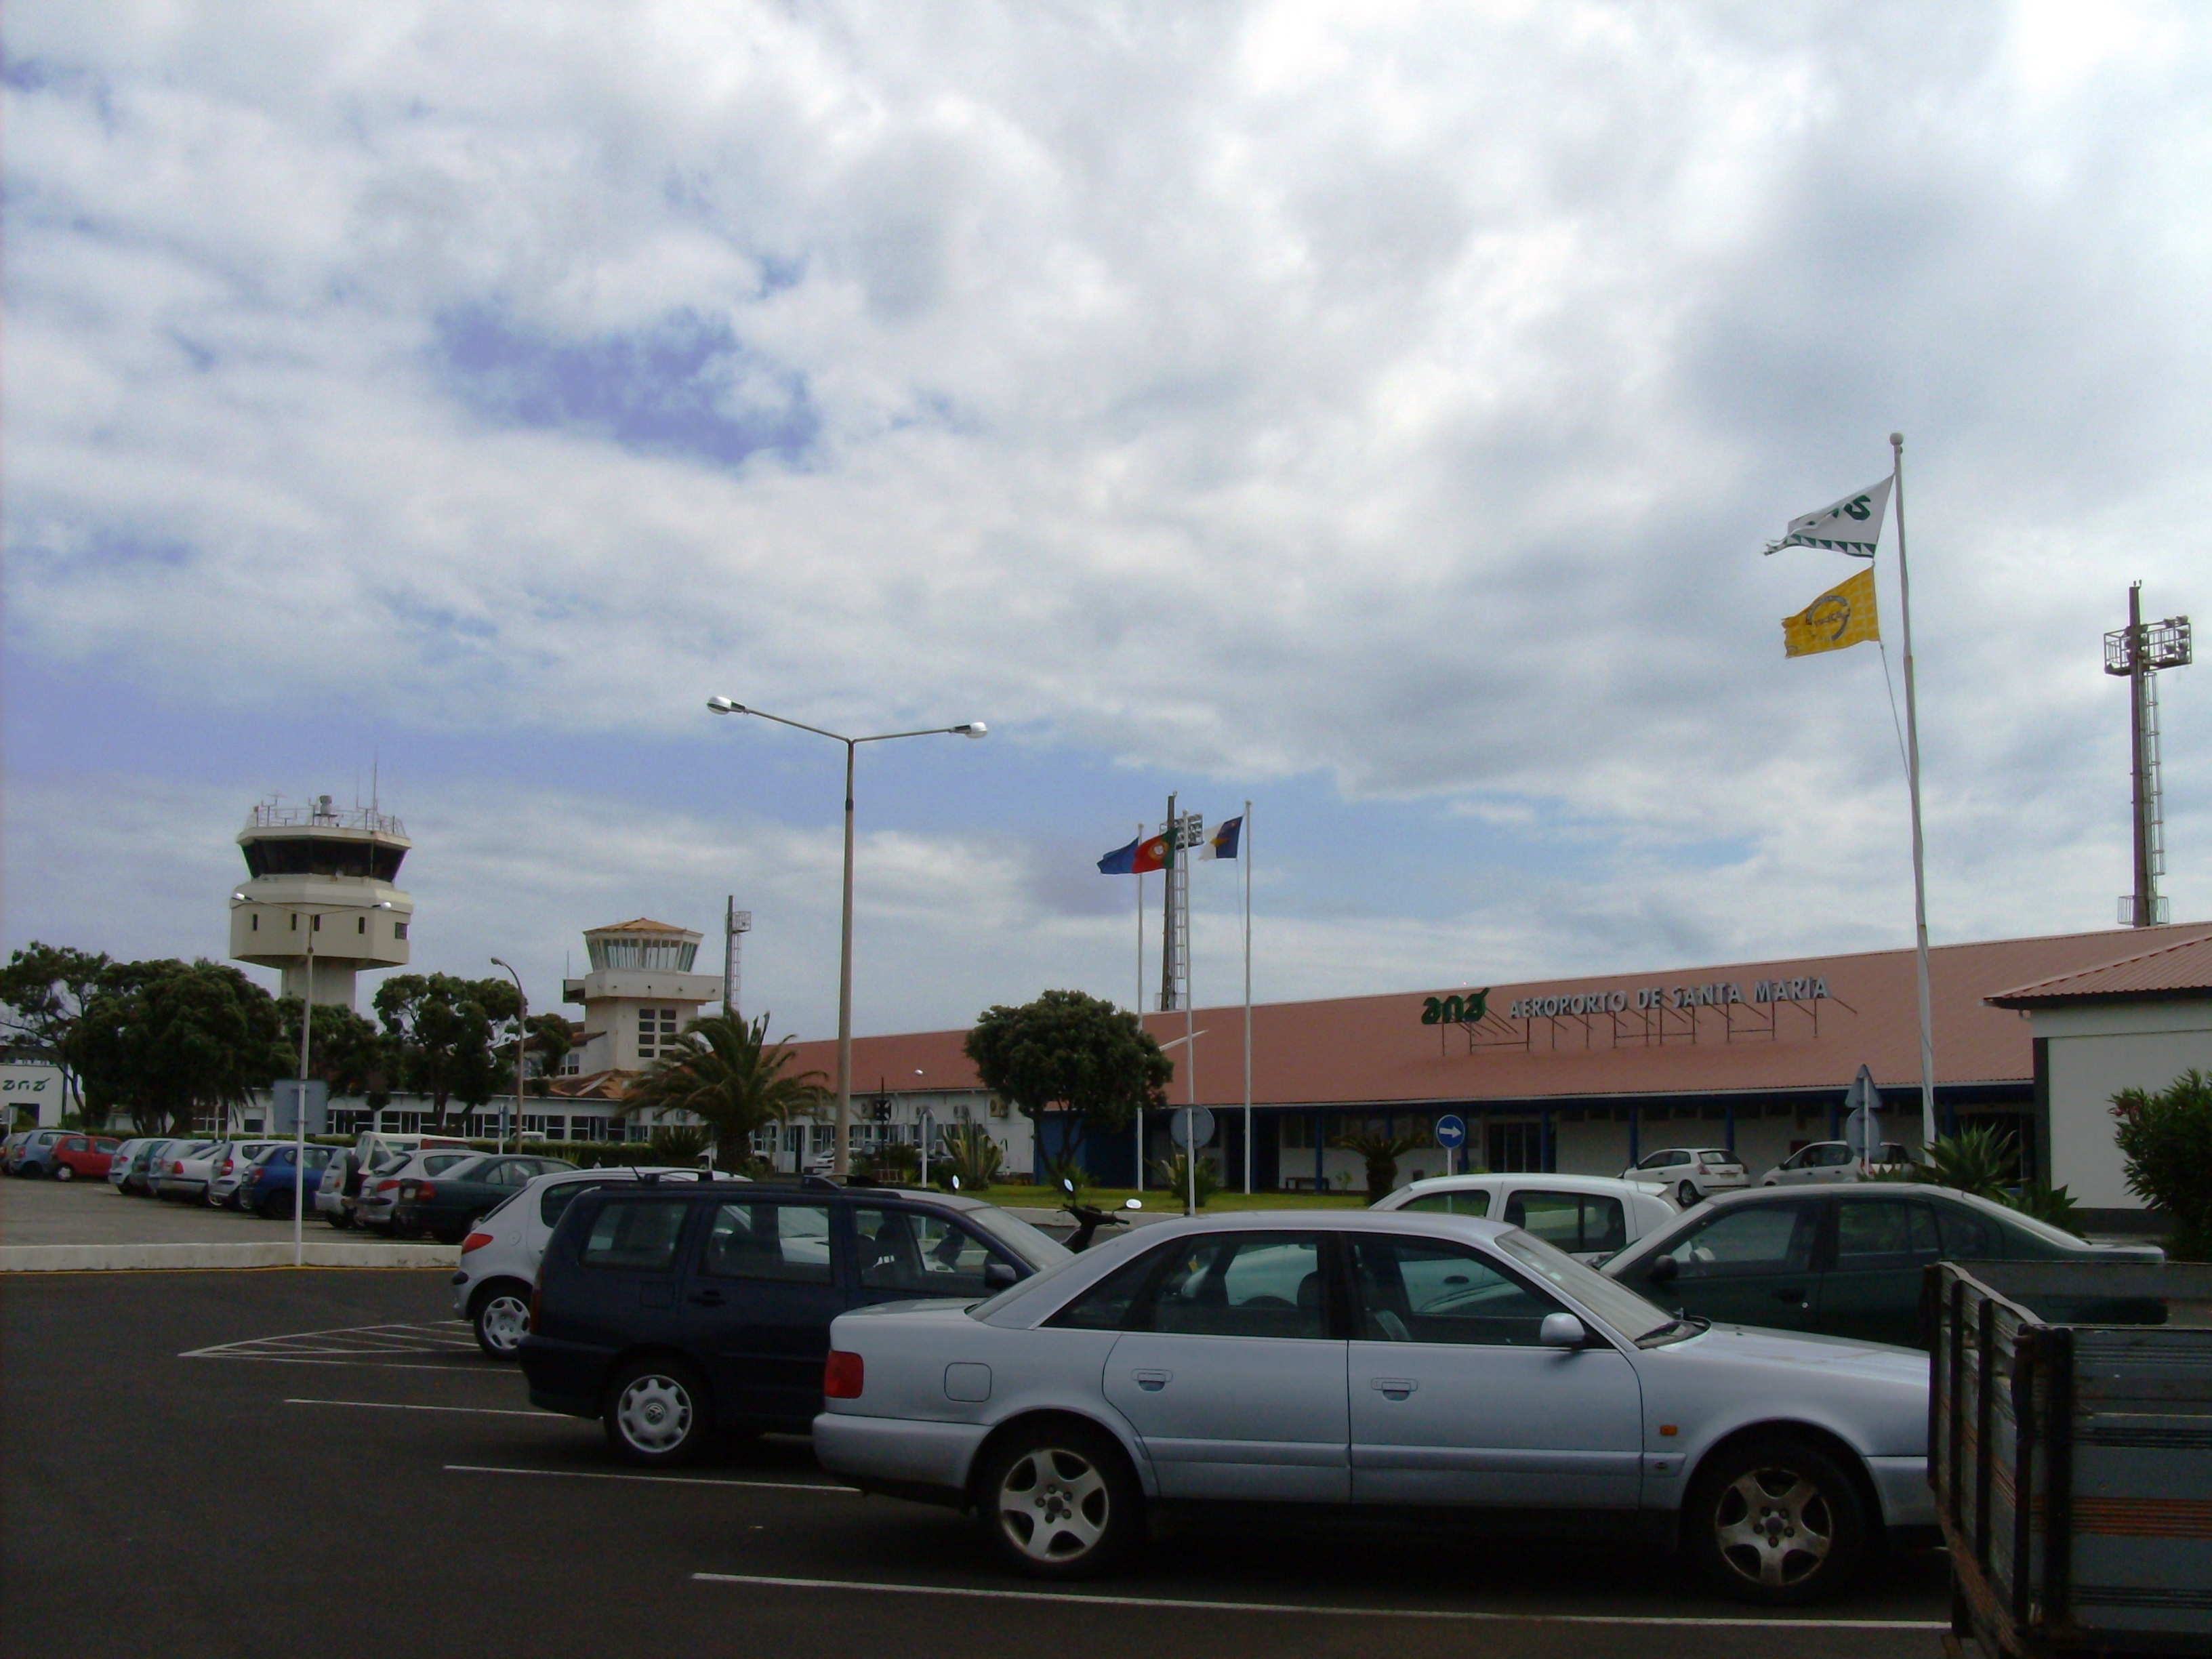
323,871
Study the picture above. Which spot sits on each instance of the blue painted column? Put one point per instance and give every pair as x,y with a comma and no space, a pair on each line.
1551,1148
1729,1133
1635,1134
1321,1174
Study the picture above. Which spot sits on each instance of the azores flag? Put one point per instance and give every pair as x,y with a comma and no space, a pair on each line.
1222,843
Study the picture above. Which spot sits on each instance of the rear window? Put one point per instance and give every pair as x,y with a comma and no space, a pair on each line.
1473,1203
638,1233
554,1201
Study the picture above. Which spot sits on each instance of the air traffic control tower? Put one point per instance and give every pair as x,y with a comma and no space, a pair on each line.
327,872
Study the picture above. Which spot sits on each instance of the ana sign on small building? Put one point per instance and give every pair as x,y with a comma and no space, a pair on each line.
32,1086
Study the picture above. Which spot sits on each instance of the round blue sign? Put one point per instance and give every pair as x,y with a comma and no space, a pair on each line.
1451,1132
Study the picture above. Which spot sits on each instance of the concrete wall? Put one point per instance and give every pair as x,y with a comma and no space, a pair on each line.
2092,1054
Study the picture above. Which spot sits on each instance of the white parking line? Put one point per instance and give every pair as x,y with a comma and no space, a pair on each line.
667,1480
1195,1606
396,1405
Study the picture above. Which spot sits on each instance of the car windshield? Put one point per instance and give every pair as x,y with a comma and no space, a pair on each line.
1039,1249
1610,1300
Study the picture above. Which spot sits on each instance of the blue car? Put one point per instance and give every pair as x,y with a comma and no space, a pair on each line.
268,1189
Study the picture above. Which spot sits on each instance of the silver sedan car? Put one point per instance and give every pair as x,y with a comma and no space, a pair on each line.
1390,1360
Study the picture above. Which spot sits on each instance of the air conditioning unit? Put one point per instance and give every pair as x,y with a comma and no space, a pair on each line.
999,1108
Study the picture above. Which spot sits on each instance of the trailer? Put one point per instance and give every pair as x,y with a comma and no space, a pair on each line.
2070,1448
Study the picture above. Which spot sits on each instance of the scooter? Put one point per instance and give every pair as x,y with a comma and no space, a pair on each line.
1089,1218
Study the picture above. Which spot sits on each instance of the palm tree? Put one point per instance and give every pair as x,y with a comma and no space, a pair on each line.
1382,1150
725,1072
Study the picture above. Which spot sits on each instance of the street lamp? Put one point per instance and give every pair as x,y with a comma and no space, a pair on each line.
521,1037
306,1029
842,1164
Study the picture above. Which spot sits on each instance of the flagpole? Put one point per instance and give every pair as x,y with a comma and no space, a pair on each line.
1244,833
1141,995
1912,773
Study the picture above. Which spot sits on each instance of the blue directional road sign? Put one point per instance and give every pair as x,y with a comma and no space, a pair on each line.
1451,1132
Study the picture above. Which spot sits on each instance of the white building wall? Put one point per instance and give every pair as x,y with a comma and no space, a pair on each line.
2094,1053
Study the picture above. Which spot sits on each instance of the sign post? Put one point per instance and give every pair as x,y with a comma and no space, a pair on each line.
1192,1128
1863,1128
1451,1135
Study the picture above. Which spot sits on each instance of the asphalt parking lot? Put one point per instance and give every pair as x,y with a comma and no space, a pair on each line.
281,1462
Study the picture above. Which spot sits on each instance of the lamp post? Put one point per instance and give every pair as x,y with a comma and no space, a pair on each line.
521,1038
306,1029
842,1164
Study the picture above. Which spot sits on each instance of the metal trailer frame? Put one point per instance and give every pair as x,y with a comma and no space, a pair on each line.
2072,1459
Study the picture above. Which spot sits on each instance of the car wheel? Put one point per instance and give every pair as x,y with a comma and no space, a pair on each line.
342,1220
502,1319
656,1413
1686,1195
63,1172
1060,1501
1776,1521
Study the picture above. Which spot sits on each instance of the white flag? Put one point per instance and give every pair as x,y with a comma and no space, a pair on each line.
1850,525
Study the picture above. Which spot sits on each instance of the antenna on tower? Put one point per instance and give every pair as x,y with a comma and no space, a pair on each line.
2136,652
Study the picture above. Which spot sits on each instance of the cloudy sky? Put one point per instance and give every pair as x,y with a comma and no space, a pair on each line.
1375,411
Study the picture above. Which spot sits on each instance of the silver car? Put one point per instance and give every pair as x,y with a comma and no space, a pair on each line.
1380,1359
1690,1175
380,1187
1834,1160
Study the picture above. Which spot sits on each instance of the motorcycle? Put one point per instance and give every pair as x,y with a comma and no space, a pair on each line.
1089,1218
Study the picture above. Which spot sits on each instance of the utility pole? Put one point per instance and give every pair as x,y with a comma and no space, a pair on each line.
2136,652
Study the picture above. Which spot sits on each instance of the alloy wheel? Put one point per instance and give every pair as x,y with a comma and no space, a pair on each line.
502,1323
1773,1526
1053,1505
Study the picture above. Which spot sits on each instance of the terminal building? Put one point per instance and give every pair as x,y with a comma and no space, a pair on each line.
1586,1075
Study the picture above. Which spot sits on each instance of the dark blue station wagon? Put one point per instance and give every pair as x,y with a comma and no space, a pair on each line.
676,1312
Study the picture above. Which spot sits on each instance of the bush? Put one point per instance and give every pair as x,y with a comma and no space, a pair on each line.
893,1165
1978,1161
2044,1202
2167,1139
974,1156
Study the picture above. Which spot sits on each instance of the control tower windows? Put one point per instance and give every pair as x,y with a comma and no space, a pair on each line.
323,855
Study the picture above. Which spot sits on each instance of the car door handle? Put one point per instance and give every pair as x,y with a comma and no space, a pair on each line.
1152,1382
1793,1295
1393,1388
708,1298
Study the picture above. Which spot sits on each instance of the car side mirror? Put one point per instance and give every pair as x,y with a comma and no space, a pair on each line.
1562,1330
1000,1276
1662,1271
1134,1204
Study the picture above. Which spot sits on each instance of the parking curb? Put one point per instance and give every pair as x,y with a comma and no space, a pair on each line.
126,1258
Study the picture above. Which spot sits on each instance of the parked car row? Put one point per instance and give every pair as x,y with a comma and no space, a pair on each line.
254,1176
62,1154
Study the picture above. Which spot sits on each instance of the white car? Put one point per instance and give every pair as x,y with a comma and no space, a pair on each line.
119,1165
1832,1160
500,1256
379,1185
336,1197
1383,1359
1589,1216
228,1167
1690,1173
184,1168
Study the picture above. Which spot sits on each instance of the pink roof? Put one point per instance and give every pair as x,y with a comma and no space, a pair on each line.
1355,1050
2180,968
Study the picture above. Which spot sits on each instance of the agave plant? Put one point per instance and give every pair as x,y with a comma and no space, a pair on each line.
2044,1202
973,1156
1978,1161
681,1143
1382,1152
1175,1175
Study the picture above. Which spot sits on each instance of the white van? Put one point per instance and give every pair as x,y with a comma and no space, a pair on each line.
338,1198
1589,1216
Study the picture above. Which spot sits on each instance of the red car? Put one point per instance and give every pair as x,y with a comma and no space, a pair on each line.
85,1156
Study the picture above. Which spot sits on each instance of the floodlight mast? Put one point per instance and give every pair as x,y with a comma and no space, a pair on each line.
842,1162
2135,653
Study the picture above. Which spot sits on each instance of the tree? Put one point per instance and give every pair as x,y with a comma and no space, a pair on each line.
43,990
2167,1139
551,1036
1382,1150
175,1042
1074,1054
349,1052
446,1031
724,1071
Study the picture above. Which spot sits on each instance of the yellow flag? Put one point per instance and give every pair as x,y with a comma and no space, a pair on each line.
1843,616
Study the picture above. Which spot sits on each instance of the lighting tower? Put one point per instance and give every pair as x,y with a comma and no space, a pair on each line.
735,922
2136,652
327,872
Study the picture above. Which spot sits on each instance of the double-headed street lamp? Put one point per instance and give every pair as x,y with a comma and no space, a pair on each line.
315,914
966,729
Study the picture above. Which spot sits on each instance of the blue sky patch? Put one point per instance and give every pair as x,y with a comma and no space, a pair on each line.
685,386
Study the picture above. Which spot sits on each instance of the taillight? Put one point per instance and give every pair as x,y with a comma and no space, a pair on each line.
474,1242
386,1185
841,1375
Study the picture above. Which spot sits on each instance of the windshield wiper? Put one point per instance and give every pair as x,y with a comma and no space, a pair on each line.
1660,1333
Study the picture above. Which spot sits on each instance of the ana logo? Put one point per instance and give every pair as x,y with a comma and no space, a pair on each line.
1455,1010
1859,506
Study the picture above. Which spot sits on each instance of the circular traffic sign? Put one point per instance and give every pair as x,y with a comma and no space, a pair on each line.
1451,1131
1187,1132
